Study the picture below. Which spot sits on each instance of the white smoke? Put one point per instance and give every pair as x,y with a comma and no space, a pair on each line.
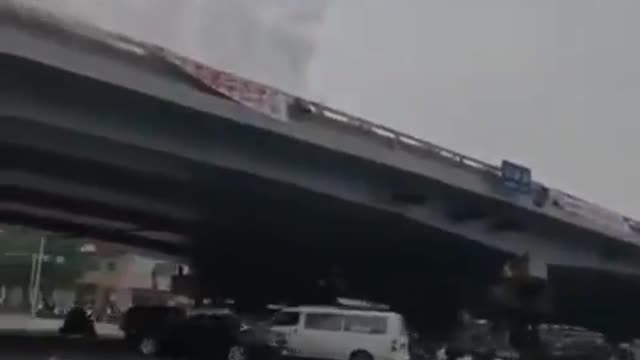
271,41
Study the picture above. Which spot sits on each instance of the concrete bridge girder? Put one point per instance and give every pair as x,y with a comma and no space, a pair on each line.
95,107
111,69
14,180
82,226
206,143
116,67
551,251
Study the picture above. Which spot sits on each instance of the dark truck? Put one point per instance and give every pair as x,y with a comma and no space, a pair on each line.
212,333
144,325
219,334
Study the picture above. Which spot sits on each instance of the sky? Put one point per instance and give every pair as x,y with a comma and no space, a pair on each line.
270,41
554,85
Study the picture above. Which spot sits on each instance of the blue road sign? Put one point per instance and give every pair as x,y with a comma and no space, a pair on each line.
515,176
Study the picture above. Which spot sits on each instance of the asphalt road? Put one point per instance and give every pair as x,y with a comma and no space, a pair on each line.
24,337
12,323
50,346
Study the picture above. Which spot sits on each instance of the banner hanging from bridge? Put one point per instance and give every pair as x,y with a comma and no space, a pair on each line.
254,95
259,97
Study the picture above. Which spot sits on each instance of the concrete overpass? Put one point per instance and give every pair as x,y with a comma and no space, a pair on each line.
108,137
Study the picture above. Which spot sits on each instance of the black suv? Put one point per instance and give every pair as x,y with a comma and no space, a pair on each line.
144,325
212,334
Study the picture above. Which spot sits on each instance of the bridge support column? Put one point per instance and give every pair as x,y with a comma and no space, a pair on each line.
520,301
538,268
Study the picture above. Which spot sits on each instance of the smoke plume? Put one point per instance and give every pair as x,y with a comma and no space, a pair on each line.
271,41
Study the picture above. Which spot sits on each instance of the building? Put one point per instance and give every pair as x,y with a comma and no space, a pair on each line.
123,279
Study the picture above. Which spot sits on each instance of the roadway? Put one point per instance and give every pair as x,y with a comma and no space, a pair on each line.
50,347
25,324
24,337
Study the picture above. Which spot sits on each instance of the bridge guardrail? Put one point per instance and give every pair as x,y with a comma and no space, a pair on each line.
396,136
278,105
259,97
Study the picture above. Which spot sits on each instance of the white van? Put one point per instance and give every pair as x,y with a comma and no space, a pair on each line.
335,333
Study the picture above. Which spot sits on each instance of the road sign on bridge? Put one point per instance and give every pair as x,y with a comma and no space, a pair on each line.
515,176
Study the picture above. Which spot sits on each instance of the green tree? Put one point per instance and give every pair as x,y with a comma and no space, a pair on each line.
63,263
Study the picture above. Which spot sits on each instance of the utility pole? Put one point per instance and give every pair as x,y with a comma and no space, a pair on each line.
38,273
32,277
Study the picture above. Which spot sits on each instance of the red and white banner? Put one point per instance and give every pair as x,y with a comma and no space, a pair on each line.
259,97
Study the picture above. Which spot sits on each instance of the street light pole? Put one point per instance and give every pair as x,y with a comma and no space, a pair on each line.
36,284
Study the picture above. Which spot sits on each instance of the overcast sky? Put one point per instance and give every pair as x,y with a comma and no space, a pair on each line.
552,84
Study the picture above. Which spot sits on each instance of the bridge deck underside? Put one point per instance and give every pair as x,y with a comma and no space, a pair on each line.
261,241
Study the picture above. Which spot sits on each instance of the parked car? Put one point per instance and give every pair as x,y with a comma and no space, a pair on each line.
216,334
143,325
570,342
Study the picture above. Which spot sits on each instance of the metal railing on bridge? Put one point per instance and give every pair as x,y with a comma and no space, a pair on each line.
262,98
286,107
